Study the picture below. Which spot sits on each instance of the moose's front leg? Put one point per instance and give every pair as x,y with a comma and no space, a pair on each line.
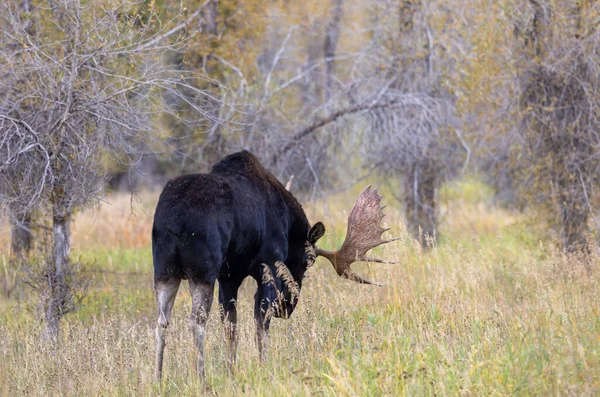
202,296
263,311
266,302
268,297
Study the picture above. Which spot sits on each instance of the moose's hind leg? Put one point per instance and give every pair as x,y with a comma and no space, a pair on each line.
202,296
165,298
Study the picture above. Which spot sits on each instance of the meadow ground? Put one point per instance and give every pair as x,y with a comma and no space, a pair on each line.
491,310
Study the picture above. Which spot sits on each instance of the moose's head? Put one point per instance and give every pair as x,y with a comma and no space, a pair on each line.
363,233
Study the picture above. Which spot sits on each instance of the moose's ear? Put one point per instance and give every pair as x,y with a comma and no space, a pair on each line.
316,232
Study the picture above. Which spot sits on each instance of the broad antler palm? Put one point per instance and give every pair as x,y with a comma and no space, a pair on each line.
364,232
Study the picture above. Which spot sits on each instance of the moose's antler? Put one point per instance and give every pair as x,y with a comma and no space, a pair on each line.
364,232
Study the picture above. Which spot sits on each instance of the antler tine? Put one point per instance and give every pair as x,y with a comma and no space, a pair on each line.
351,275
288,185
363,233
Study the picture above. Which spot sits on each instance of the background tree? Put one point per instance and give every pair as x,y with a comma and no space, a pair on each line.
529,93
220,44
415,141
80,82
559,99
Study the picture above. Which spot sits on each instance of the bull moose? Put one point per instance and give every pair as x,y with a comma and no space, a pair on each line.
239,221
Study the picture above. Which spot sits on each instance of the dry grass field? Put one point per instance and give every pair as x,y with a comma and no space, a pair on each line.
491,310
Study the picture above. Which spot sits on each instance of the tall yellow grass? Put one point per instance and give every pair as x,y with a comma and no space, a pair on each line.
489,311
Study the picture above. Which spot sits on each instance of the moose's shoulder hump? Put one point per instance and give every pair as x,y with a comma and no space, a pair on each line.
242,162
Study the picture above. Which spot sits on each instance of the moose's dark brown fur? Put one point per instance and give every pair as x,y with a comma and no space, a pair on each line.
239,221
224,226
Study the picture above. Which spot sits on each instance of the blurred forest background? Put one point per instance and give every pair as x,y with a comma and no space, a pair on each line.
116,95
418,92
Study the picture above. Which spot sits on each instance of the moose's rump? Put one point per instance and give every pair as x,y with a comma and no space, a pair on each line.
237,215
192,228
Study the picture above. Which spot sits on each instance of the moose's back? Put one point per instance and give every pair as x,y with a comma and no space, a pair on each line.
203,220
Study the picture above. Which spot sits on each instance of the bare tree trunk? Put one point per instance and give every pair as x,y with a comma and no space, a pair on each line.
214,146
420,182
420,202
312,85
573,211
21,240
59,288
574,226
331,39
407,11
550,138
21,237
199,147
